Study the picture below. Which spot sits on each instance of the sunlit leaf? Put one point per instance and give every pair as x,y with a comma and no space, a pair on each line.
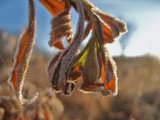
53,6
108,69
112,27
109,76
59,45
81,58
23,53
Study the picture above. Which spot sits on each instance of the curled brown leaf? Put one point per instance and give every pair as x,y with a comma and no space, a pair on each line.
23,54
61,68
61,27
108,70
112,27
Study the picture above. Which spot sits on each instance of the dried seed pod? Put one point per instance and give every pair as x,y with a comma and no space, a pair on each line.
61,27
23,54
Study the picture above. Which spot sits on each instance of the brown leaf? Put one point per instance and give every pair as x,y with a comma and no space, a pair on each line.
23,54
74,74
109,76
50,72
99,75
107,83
61,68
61,27
108,70
87,29
112,27
59,45
73,4
53,6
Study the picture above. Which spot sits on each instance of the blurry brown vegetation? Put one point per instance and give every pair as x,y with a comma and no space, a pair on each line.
138,97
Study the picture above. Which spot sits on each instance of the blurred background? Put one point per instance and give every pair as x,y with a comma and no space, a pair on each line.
136,53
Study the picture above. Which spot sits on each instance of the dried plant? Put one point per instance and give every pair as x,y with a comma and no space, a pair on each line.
23,54
61,26
93,64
